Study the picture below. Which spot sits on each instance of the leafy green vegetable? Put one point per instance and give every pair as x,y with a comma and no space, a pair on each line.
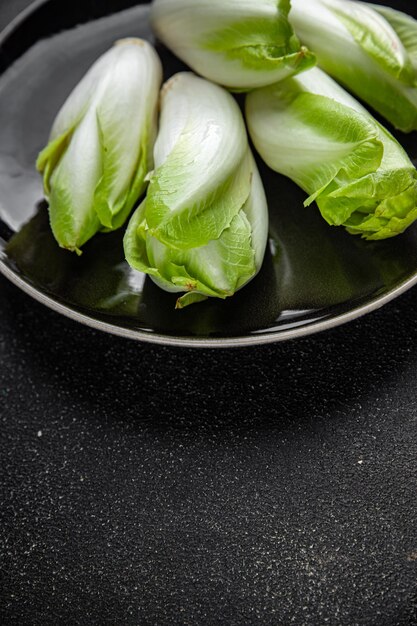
371,50
100,148
203,226
240,44
309,129
406,28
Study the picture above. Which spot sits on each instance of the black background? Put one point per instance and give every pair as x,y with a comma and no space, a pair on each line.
149,485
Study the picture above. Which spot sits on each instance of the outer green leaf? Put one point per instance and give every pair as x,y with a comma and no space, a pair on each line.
71,207
261,44
197,224
50,156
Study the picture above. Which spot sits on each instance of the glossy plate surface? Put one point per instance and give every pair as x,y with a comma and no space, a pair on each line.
314,276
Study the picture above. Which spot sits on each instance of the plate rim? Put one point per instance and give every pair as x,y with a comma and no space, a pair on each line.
140,335
206,342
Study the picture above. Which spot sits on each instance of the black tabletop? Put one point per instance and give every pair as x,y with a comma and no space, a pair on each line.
149,485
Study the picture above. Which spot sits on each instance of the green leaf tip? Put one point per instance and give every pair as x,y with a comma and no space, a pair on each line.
188,299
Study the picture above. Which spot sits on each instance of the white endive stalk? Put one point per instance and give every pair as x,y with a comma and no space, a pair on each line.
100,147
203,226
370,49
311,130
240,44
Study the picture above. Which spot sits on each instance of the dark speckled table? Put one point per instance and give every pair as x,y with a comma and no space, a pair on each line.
143,485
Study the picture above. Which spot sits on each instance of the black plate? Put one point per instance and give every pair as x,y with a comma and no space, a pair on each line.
314,276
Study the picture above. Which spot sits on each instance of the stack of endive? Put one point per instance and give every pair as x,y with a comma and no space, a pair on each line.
201,229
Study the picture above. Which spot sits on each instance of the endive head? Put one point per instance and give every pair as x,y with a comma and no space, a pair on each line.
309,129
100,147
359,22
203,227
240,44
370,49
